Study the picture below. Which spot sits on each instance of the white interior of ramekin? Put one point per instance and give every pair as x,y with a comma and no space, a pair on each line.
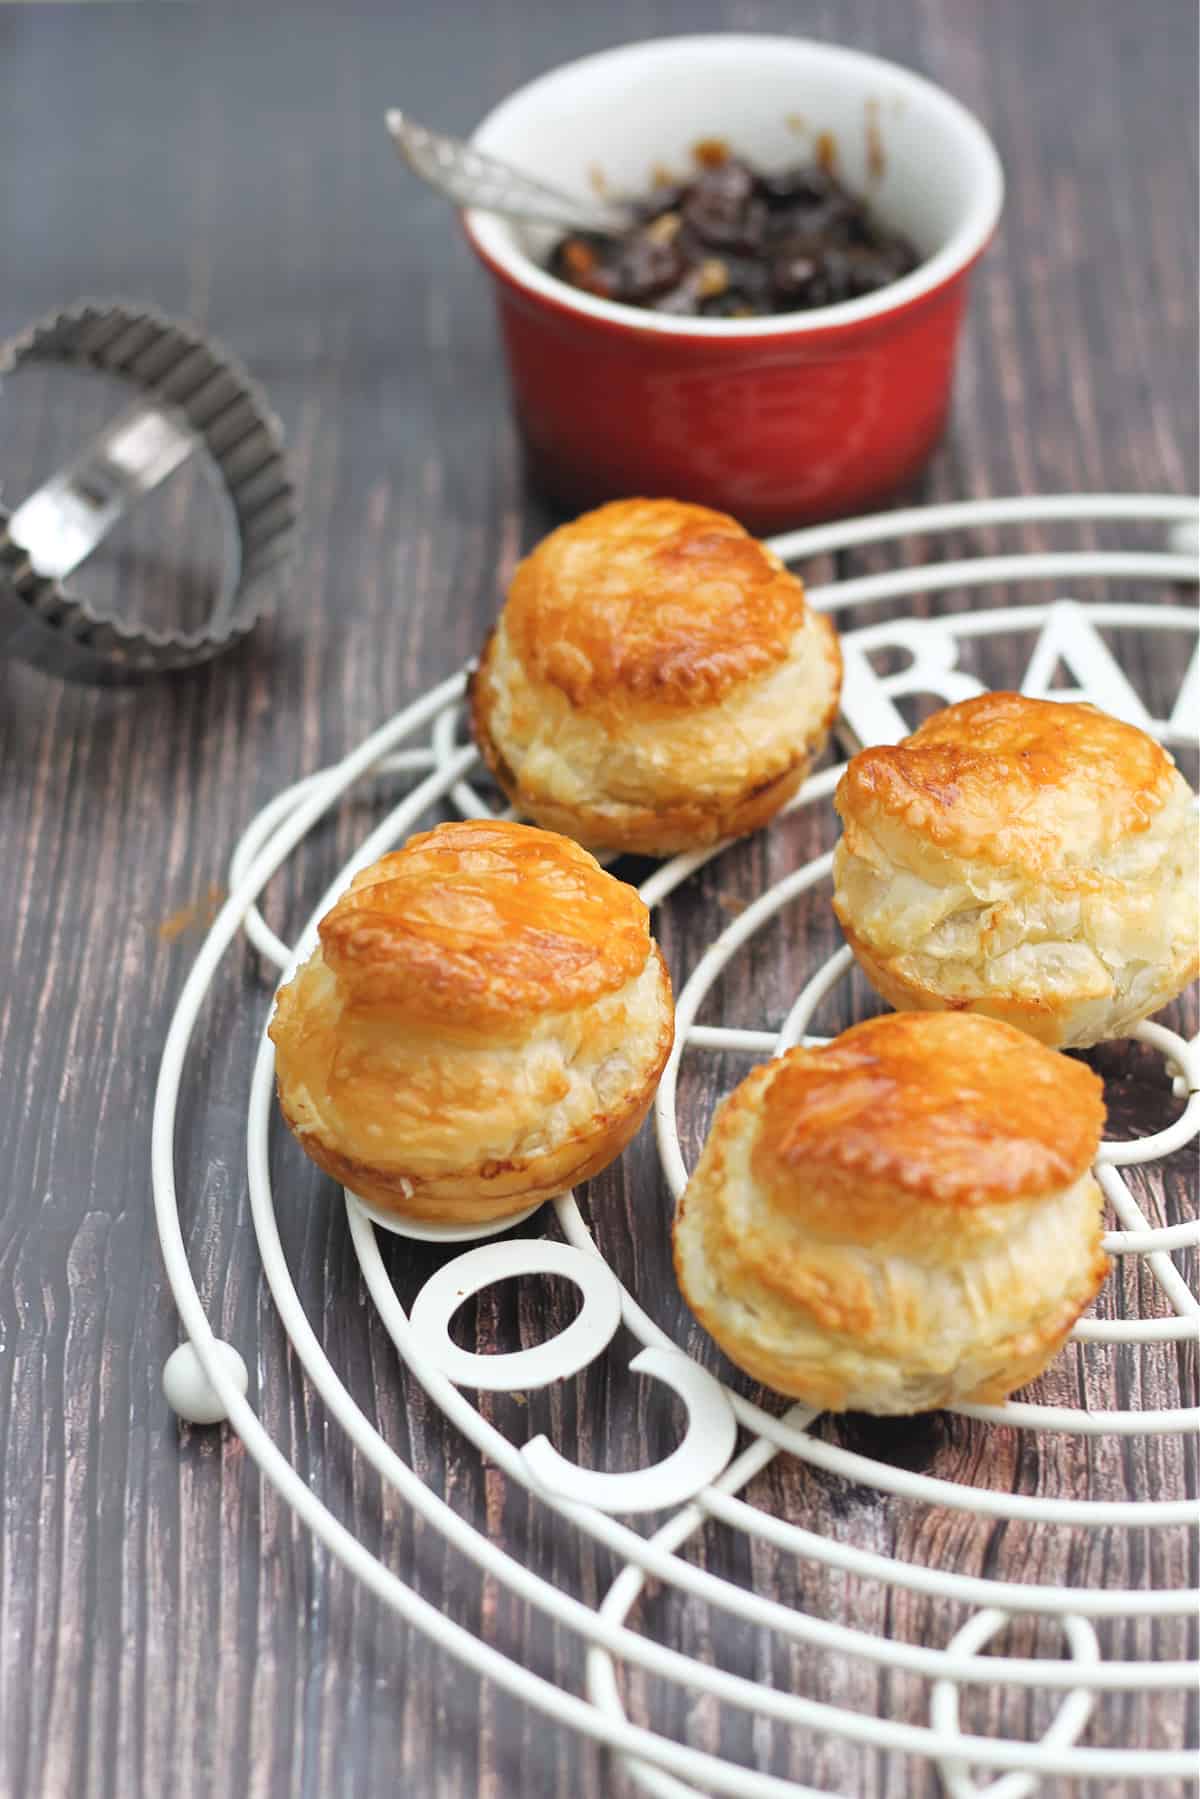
623,114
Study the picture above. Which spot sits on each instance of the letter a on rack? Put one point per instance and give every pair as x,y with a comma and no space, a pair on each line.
1069,638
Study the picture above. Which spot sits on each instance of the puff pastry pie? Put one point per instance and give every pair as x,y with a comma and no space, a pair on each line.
900,1220
1032,859
483,1024
656,680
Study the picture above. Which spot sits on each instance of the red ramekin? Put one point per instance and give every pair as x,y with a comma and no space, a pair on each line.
781,420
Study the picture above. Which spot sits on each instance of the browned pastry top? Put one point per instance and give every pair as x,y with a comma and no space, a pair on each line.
480,922
909,1109
1036,783
651,604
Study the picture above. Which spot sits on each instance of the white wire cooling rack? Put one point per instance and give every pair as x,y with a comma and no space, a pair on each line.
699,1483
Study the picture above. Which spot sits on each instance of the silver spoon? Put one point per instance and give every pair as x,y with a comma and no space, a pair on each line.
470,178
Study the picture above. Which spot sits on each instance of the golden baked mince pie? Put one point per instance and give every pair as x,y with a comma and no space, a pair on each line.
482,1025
655,682
902,1219
1035,860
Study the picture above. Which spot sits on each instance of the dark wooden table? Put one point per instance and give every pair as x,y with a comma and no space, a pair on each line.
165,1626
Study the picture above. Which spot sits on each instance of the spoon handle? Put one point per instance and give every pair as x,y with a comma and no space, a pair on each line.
469,177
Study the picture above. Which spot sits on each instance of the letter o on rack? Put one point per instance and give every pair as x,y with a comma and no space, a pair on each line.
524,1369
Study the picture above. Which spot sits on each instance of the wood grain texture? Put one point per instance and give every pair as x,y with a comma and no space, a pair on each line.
165,1626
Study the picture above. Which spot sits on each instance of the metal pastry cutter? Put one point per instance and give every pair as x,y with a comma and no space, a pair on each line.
189,396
